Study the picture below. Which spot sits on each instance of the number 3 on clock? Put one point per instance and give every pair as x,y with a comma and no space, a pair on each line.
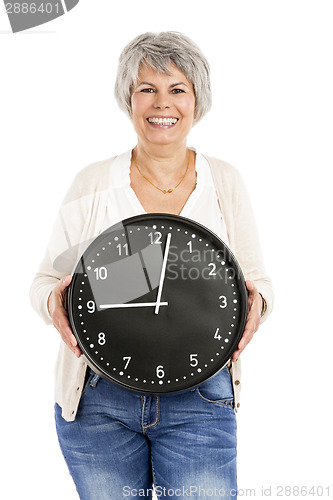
224,303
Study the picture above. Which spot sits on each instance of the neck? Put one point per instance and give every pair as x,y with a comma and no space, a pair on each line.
162,163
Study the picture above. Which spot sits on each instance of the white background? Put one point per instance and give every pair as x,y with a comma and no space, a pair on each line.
272,79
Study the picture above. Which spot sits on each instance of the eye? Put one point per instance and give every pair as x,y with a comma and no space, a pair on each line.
177,91
147,90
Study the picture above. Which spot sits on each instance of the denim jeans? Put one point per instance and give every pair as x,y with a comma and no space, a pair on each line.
122,443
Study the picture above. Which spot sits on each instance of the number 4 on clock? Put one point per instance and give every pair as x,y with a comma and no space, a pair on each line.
217,336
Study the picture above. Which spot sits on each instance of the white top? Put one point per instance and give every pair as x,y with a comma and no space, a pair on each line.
201,206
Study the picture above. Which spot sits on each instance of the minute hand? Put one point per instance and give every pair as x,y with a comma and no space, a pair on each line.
160,286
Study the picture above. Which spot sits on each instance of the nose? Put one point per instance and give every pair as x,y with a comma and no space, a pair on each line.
162,100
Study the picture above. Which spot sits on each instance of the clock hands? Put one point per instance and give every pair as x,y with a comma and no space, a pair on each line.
160,286
158,302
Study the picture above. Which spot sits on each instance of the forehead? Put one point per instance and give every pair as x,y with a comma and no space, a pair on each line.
151,75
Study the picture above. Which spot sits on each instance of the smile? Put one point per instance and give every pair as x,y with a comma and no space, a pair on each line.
164,122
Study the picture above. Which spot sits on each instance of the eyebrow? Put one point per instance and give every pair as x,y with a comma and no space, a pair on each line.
171,86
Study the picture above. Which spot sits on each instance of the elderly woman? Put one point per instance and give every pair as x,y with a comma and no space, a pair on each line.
117,443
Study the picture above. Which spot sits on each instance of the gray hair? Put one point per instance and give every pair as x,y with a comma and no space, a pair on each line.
158,50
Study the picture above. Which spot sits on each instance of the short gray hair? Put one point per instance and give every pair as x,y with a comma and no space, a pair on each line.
158,50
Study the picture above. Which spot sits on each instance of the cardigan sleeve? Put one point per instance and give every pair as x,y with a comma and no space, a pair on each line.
241,226
58,260
247,244
77,224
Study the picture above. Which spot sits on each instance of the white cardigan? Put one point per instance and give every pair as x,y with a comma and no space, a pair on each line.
80,221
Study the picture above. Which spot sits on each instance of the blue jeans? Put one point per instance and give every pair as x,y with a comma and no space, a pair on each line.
122,443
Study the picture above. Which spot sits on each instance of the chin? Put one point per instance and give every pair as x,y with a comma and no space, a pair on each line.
164,139
164,142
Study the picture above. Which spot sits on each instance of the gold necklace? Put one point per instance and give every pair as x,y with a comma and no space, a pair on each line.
164,191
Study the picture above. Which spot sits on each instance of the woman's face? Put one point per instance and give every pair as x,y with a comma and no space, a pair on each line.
163,106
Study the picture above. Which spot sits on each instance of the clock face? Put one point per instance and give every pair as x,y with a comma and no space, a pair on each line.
158,303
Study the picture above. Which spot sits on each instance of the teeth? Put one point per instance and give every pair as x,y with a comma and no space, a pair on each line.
163,121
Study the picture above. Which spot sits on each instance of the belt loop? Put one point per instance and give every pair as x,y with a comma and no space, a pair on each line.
94,380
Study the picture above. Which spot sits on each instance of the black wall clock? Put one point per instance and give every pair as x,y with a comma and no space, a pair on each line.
158,303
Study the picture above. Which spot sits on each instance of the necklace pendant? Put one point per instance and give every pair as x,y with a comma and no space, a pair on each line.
169,190
166,191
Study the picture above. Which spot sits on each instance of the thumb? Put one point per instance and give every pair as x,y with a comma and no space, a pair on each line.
249,285
65,282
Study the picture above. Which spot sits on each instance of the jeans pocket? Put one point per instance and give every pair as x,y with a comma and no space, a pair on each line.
218,389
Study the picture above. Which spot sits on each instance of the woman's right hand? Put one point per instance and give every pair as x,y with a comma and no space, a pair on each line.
57,309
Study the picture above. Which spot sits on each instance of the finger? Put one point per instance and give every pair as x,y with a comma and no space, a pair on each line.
65,281
252,322
60,317
253,318
58,293
241,346
71,342
254,301
75,350
57,299
247,336
235,355
61,323
64,284
250,286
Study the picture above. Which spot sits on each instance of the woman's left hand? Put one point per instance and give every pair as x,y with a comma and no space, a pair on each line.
253,318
